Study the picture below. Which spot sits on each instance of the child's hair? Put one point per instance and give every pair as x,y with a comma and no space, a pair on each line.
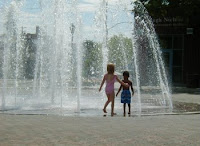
126,73
110,68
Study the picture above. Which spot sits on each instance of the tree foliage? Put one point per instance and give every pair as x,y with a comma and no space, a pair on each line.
92,59
120,51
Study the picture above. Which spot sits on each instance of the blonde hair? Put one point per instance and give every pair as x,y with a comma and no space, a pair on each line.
110,68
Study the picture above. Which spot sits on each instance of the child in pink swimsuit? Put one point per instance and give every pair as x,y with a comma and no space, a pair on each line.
110,84
110,79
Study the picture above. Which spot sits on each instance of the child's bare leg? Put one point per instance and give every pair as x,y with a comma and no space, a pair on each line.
129,108
112,104
124,109
106,104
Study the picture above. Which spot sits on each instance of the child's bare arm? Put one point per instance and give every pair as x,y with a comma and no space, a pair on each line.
102,83
122,83
119,90
132,88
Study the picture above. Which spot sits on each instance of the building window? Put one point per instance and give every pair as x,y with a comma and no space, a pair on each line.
177,58
166,42
174,43
177,75
178,42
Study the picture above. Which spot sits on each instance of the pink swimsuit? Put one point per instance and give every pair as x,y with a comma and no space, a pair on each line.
110,84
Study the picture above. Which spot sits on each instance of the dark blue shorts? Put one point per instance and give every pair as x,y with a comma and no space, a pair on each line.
126,96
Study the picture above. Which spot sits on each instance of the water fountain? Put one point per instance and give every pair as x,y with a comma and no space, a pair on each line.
55,71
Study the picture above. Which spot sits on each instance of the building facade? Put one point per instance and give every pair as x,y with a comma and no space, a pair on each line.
181,50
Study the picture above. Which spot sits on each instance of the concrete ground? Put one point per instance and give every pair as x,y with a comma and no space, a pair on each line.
186,97
183,130
172,130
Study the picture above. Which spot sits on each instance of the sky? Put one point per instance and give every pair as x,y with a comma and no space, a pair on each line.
87,9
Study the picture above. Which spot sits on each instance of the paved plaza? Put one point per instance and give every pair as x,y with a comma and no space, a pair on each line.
175,129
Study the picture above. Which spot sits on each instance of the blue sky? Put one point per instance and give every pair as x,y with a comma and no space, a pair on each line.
87,9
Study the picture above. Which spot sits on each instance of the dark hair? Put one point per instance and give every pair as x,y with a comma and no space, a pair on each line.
126,73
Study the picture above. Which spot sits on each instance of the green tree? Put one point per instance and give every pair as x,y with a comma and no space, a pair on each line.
120,52
92,59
